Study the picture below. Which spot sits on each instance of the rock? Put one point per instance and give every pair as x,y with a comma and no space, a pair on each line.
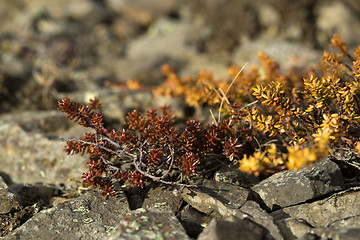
217,199
193,221
331,217
337,17
166,37
164,43
160,194
233,228
14,219
157,222
270,19
13,65
83,10
225,28
45,122
335,211
15,208
288,188
252,210
234,176
9,201
167,41
13,17
88,216
36,194
31,157
142,11
289,55
333,233
293,228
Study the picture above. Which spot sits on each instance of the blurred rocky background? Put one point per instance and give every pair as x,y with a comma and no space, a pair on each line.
51,48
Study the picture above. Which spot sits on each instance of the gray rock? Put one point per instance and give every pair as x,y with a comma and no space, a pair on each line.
289,55
327,218
155,7
288,188
335,211
333,233
167,41
233,228
88,216
14,17
168,194
85,10
270,19
234,176
252,210
9,201
46,122
164,43
157,222
217,199
13,219
293,228
193,221
30,157
337,17
166,37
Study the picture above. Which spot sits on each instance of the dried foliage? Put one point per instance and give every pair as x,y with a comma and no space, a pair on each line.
270,122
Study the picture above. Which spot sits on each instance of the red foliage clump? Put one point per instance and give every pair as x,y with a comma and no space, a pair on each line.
150,145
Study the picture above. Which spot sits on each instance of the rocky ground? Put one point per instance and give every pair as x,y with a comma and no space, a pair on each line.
86,48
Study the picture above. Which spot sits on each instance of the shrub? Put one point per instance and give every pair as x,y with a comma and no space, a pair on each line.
151,145
270,122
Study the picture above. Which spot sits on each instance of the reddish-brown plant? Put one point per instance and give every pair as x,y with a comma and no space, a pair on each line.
149,145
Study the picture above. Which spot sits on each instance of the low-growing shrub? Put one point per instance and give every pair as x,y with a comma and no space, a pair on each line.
267,122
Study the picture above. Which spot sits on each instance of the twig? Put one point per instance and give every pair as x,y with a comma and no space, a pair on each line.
154,178
213,117
227,91
115,153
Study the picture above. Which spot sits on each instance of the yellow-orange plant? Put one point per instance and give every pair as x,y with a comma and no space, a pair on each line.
306,114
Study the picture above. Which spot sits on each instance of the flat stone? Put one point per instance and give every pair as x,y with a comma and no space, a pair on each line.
288,188
234,176
334,211
47,122
30,157
252,210
89,216
217,199
293,228
337,212
233,228
168,194
157,222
